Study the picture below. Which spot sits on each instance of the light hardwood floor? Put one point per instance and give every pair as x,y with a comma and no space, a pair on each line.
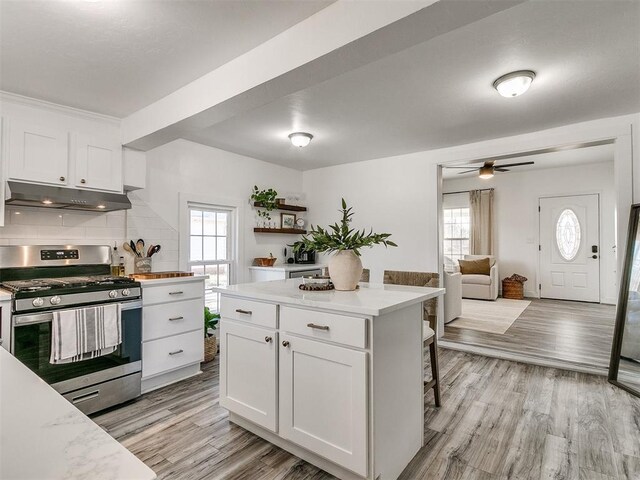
499,420
575,332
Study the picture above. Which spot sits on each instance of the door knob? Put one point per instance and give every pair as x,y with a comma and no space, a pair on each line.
62,179
83,180
285,343
594,256
267,339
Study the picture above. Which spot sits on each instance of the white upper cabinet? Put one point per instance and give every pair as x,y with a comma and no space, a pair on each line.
38,153
98,163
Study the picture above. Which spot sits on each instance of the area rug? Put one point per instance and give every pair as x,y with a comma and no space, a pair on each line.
488,316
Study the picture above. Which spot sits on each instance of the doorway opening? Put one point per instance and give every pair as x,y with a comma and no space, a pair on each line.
552,226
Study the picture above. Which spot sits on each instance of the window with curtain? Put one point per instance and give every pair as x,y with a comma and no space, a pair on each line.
211,248
456,233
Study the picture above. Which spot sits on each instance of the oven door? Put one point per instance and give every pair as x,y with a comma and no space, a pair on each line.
31,344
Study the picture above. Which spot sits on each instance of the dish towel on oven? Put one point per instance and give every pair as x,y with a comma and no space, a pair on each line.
85,333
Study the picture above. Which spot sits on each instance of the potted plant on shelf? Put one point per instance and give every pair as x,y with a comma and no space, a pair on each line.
210,340
265,200
345,266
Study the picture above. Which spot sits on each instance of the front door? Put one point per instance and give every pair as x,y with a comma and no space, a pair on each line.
569,248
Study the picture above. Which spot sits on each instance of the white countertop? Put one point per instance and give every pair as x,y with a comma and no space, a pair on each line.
4,295
43,436
162,281
291,267
369,299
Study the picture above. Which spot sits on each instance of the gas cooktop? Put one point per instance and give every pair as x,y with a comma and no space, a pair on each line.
69,283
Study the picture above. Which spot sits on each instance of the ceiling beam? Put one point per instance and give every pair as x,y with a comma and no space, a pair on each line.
344,36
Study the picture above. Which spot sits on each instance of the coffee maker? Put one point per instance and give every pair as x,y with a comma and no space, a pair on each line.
304,256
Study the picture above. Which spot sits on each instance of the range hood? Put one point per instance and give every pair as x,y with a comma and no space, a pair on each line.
30,195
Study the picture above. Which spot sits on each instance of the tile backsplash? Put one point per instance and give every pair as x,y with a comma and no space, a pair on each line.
40,226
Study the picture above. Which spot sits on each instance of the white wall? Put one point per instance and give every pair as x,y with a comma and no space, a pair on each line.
194,171
392,195
516,216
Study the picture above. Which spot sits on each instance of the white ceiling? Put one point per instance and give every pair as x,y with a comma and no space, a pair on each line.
117,56
564,158
439,93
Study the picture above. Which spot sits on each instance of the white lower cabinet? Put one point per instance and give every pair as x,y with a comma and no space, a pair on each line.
172,330
171,353
248,361
323,400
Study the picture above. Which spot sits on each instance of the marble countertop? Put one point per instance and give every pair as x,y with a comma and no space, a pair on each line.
370,299
43,436
291,267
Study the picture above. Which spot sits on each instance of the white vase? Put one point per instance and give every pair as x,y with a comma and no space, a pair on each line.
345,270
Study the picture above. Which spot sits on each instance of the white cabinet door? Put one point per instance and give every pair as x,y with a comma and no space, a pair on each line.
248,372
37,153
323,400
98,163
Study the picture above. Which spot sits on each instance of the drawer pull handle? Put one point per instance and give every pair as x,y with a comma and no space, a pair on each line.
176,293
318,327
173,319
285,343
85,397
62,179
245,312
176,352
268,339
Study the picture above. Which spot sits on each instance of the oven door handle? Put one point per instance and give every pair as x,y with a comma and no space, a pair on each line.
31,319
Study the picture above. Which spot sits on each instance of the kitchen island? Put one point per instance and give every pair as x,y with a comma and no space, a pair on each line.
43,436
335,378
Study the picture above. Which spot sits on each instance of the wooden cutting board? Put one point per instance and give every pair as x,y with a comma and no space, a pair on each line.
157,275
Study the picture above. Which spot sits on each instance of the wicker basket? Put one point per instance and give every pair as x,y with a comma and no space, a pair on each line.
210,348
512,289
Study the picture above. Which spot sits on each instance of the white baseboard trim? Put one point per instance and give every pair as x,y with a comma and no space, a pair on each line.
523,358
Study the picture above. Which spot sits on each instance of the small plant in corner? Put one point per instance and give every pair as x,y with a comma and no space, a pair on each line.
210,321
266,200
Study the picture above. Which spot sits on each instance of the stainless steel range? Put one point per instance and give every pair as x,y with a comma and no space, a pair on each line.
43,279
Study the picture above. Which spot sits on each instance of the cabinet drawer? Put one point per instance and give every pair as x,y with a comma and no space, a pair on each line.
171,319
159,356
324,326
257,313
171,293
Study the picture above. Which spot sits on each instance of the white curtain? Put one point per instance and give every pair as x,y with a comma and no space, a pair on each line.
481,235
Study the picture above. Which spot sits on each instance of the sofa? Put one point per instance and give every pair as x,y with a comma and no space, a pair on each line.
453,296
481,287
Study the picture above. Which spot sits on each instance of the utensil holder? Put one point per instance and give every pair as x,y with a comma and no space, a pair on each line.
142,265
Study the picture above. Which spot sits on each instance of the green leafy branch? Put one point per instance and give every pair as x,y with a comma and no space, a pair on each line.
340,236
267,200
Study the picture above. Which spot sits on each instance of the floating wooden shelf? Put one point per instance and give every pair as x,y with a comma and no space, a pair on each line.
289,208
294,231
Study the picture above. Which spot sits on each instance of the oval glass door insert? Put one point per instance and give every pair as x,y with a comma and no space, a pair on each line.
568,234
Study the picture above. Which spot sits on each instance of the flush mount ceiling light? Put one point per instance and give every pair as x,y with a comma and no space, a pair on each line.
486,172
101,206
47,202
300,139
515,83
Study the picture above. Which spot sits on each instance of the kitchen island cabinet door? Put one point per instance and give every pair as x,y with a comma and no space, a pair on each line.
323,400
248,380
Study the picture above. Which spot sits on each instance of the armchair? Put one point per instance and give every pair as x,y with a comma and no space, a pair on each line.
481,287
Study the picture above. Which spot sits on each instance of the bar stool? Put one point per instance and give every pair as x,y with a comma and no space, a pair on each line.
430,309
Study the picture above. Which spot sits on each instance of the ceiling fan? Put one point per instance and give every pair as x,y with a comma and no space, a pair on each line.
489,168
